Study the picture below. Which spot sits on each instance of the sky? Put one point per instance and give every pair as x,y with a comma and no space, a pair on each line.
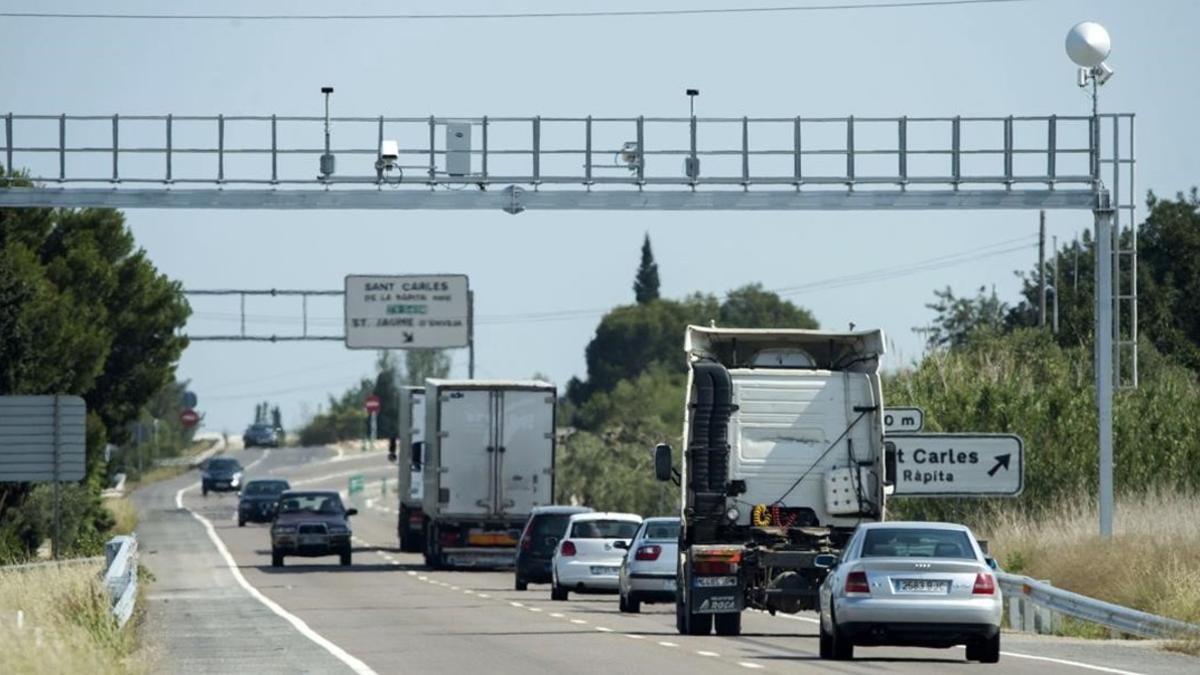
994,59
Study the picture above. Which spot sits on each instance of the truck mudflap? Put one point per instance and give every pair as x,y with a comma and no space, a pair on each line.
714,580
490,558
716,600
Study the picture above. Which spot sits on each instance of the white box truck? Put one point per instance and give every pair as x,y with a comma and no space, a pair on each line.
410,523
488,460
784,458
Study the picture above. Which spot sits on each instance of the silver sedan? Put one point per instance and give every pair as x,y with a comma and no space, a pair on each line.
911,584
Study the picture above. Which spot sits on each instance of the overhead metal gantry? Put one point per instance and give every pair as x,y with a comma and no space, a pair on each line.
526,163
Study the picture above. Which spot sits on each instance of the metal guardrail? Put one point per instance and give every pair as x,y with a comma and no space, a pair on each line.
121,575
68,562
1035,606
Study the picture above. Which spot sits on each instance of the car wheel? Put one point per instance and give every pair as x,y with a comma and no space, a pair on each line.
558,592
843,649
276,558
728,624
345,555
826,642
985,651
204,490
521,584
632,604
241,522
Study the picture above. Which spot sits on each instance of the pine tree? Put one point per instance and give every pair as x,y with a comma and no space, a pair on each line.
645,284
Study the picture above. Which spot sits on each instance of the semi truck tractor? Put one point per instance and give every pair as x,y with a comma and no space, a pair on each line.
784,457
410,456
488,461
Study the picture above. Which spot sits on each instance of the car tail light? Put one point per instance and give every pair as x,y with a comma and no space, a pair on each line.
856,582
985,584
568,548
526,537
721,561
416,518
648,553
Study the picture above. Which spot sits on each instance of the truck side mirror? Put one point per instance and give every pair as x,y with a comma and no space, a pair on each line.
889,462
662,462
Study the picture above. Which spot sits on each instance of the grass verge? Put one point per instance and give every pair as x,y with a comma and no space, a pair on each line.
67,626
125,517
1152,562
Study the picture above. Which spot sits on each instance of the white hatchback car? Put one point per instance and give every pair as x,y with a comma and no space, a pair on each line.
648,570
589,556
911,584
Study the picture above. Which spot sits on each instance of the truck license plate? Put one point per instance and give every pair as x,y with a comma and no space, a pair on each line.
922,586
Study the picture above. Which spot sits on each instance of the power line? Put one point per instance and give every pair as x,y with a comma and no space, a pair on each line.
840,6
992,250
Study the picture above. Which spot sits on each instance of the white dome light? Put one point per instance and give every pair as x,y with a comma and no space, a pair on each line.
1088,44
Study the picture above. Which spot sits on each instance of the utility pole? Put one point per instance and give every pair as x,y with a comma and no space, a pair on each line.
1042,269
1057,259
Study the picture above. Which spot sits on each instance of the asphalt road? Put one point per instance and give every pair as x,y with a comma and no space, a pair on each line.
231,612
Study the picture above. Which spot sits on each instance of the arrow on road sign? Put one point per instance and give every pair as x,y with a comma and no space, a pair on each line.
408,337
1001,461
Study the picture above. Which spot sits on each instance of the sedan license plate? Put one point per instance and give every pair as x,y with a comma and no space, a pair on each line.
602,570
312,540
669,585
923,586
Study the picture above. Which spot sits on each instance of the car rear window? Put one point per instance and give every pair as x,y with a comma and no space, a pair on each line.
266,487
664,531
604,529
550,525
917,543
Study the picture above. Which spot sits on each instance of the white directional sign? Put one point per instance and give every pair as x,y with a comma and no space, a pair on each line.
957,465
903,420
407,312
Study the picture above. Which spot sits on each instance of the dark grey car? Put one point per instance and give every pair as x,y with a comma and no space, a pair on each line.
546,525
259,499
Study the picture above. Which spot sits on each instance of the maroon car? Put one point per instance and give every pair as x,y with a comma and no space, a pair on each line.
310,524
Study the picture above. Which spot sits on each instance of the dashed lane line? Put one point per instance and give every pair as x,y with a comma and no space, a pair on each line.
602,629
667,644
712,654
747,664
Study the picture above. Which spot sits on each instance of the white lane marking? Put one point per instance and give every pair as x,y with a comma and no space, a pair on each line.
1015,655
602,629
556,615
534,609
516,604
296,622
667,644
455,588
708,654
747,664
469,592
423,578
580,622
1065,662
792,617
634,636
484,595
412,573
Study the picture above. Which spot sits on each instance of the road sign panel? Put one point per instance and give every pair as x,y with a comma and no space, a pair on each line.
30,427
356,484
189,399
407,312
956,465
372,403
188,418
903,420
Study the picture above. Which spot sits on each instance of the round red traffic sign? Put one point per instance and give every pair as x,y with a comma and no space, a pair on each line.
189,418
372,403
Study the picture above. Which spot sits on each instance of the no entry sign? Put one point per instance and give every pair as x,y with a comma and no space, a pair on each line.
372,404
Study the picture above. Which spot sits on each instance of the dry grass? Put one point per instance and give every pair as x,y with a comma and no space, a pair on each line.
1152,562
124,514
67,624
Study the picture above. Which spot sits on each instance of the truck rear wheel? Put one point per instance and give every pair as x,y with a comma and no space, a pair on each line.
728,624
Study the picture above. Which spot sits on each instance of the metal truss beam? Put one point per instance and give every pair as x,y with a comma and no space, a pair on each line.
515,199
